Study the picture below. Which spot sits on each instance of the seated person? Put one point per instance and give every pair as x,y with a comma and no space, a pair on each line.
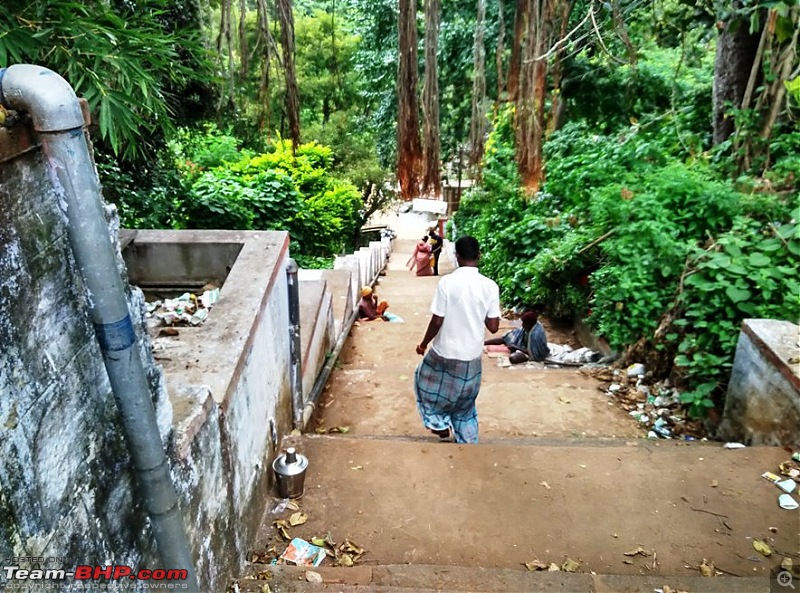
528,342
369,307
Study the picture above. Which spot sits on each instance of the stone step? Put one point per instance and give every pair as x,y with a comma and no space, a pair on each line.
462,579
501,505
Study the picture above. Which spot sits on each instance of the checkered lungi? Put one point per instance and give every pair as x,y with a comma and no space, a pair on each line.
446,391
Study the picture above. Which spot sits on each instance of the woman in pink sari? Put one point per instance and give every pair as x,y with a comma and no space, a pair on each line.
421,258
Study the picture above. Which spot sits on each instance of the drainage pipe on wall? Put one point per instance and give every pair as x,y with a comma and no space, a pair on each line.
58,119
322,378
295,351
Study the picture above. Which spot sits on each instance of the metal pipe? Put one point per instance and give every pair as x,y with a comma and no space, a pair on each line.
295,351
57,116
322,378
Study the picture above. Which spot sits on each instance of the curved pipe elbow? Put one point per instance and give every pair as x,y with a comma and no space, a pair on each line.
46,96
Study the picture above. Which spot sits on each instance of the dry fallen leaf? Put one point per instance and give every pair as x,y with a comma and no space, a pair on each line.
787,564
298,518
265,588
318,541
563,400
570,565
553,567
762,548
345,560
707,569
535,564
282,526
640,551
292,506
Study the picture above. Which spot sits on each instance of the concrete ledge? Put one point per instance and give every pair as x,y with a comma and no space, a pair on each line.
762,406
444,579
316,329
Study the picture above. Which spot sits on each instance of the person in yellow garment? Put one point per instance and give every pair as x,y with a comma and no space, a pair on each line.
369,307
436,241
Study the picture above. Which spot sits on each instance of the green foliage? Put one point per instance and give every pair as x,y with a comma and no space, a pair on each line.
270,191
750,271
126,63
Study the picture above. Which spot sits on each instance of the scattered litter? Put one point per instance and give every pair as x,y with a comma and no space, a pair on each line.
636,370
563,399
771,477
707,568
640,551
787,485
796,456
313,577
614,387
534,565
187,309
302,553
787,564
570,565
734,446
298,518
787,502
357,467
553,567
545,484
762,548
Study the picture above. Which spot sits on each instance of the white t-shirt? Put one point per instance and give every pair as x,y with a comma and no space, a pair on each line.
464,298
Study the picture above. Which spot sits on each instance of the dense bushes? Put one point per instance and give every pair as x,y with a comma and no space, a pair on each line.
633,239
216,185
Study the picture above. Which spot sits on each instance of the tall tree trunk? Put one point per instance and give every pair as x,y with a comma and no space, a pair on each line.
533,89
243,50
498,54
225,40
409,146
515,63
265,38
431,182
736,50
557,101
286,17
478,122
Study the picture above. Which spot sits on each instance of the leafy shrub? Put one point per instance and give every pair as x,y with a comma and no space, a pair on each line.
751,271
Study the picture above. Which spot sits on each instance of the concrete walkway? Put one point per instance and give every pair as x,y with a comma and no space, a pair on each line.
560,473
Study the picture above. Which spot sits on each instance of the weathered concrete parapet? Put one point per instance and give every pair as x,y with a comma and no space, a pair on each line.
762,406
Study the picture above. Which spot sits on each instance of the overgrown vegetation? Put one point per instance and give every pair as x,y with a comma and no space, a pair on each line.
639,230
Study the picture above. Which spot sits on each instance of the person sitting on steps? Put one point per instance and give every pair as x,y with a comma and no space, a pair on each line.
369,307
528,342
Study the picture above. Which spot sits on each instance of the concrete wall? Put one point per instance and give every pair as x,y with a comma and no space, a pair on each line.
762,406
223,400
66,488
228,380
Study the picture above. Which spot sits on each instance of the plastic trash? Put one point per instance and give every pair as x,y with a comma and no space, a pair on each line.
787,502
787,485
636,370
733,446
302,553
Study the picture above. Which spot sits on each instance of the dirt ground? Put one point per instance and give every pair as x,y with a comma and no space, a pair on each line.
560,472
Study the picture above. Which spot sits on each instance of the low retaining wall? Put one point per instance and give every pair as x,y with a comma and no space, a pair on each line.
762,406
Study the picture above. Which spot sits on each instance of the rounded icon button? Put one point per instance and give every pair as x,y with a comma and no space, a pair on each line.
785,579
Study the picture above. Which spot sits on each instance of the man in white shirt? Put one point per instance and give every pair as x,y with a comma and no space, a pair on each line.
448,379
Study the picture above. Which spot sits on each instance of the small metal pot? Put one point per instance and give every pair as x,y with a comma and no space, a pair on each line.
290,473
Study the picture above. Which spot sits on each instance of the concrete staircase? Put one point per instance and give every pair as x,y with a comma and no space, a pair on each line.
561,474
